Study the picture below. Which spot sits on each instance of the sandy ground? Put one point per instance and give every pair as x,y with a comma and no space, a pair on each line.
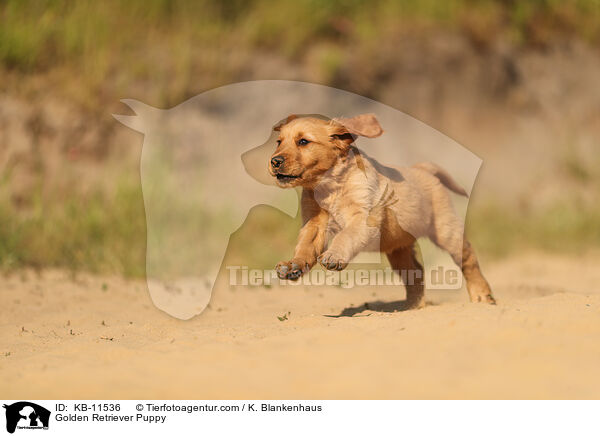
97,337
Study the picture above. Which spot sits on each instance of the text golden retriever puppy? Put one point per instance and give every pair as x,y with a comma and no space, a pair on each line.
351,202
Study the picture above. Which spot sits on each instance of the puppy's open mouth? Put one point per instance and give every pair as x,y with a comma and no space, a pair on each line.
286,178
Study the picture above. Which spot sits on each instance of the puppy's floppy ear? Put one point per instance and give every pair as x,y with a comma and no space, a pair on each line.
342,135
363,125
291,117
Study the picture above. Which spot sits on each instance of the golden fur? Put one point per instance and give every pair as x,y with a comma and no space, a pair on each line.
350,203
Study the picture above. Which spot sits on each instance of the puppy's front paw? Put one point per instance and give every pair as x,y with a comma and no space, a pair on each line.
291,270
333,261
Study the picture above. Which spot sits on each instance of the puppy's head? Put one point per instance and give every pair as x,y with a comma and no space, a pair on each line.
308,147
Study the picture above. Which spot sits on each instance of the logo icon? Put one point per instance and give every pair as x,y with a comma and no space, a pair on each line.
26,415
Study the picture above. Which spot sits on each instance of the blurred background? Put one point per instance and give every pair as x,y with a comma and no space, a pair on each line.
516,82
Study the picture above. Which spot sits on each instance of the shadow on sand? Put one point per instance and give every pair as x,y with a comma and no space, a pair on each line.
375,306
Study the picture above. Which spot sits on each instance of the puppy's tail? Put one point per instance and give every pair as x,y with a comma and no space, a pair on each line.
443,177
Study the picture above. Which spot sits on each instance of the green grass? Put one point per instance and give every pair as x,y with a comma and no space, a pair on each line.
96,233
105,233
123,41
560,228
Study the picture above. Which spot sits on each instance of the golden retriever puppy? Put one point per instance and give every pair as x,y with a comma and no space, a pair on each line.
350,203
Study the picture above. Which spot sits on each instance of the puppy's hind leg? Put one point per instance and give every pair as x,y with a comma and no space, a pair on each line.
404,261
477,285
449,235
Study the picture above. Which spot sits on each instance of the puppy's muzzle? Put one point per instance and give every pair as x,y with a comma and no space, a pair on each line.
277,161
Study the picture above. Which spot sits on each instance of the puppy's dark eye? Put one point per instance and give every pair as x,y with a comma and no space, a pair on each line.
303,141
278,141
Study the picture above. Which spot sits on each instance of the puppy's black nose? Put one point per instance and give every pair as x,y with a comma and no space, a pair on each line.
277,161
